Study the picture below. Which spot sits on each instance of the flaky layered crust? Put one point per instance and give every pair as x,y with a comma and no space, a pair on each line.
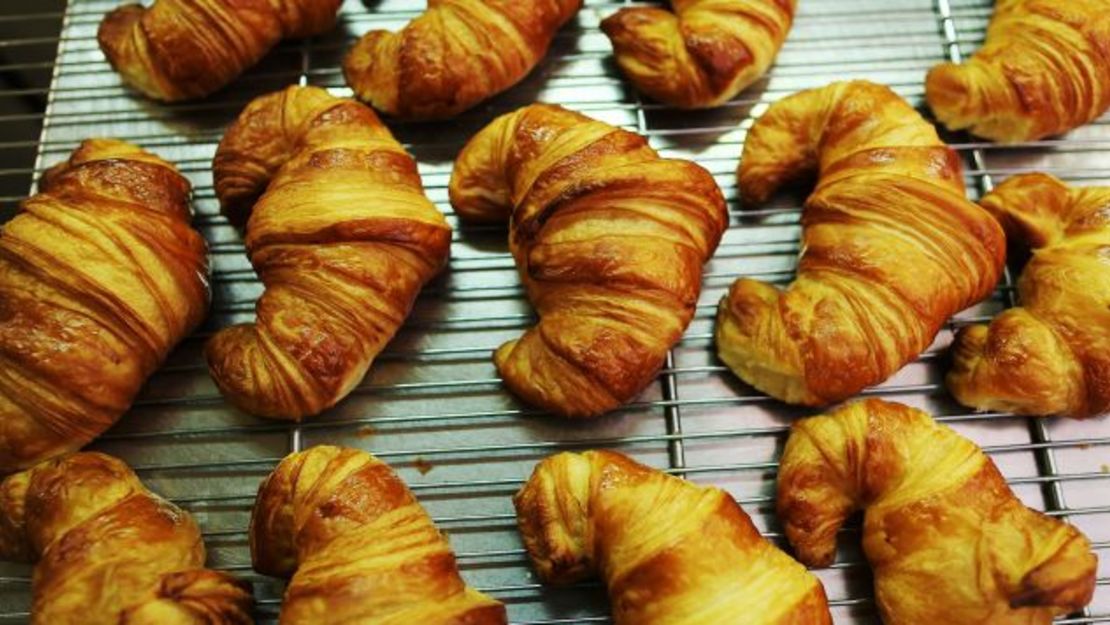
702,52
186,49
110,552
357,546
100,276
341,234
454,55
1043,70
670,552
609,239
1051,354
891,247
946,538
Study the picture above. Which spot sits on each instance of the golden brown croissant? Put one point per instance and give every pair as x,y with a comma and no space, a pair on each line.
670,552
891,247
609,239
1043,70
185,49
358,546
947,540
100,276
110,552
1051,355
454,55
343,238
703,53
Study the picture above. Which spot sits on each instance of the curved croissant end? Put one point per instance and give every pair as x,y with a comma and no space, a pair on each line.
343,238
670,552
103,542
100,277
947,539
609,240
186,49
358,546
1051,355
454,55
891,247
704,53
1043,70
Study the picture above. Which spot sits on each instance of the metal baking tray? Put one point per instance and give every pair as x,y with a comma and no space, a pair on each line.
432,406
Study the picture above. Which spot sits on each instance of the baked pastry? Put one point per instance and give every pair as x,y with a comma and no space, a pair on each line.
454,55
1051,355
358,547
110,552
946,538
669,551
341,234
609,239
100,276
891,247
704,52
1043,70
177,50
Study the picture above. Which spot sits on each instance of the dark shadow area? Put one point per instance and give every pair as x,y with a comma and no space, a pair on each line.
698,130
29,30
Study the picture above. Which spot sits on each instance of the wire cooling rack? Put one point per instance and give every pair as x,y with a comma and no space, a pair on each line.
432,405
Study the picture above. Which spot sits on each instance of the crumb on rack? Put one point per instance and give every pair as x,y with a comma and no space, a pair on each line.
423,465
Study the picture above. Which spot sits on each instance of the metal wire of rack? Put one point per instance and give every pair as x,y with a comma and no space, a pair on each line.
432,405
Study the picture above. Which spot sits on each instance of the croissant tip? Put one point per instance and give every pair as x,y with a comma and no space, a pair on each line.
1066,596
756,188
821,558
113,30
625,20
968,344
949,92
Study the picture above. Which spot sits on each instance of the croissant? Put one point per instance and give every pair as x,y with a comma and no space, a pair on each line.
702,54
670,552
1043,70
342,236
358,546
110,552
947,539
1051,355
456,54
609,239
186,49
100,276
891,248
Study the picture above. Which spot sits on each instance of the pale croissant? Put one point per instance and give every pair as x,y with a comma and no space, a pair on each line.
357,546
1051,354
702,52
947,540
891,247
341,234
107,551
100,277
178,50
456,54
609,239
1043,70
669,551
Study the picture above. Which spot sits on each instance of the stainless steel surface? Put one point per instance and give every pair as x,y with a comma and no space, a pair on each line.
432,405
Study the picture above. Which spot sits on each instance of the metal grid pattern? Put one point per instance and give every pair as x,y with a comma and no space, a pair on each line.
432,405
